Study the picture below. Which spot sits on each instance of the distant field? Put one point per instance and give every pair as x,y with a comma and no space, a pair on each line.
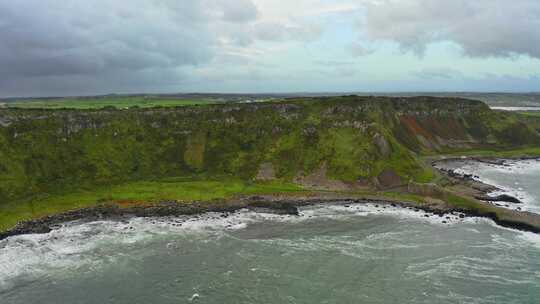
513,153
531,113
117,102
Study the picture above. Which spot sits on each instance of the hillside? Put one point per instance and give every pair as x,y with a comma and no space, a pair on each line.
339,142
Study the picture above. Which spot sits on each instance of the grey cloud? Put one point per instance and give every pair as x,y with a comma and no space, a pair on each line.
273,31
47,45
438,73
120,81
334,63
358,50
482,27
87,38
236,11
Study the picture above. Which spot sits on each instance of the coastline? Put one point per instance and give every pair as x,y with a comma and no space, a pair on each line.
472,186
288,204
487,191
277,204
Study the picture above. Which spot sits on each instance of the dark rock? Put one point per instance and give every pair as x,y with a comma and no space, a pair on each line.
500,198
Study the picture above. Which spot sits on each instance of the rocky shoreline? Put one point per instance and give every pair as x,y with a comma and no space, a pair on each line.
267,204
483,190
525,221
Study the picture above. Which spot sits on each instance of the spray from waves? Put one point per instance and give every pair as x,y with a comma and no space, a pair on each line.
501,261
90,246
490,174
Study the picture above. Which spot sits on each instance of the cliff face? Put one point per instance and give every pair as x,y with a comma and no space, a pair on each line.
351,141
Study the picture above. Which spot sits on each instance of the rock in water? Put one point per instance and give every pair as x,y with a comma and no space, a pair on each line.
500,198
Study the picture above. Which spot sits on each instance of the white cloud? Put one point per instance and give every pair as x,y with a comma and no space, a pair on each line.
482,27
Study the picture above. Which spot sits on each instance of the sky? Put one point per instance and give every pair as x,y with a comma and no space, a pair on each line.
82,47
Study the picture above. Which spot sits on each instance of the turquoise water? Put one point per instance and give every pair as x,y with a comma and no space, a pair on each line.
332,254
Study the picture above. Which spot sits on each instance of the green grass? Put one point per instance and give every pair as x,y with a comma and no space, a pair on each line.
399,196
531,113
97,102
137,192
470,204
518,152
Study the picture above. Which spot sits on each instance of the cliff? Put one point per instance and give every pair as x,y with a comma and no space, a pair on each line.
338,142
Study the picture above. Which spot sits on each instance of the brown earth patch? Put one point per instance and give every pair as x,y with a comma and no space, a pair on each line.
426,143
319,180
412,125
446,127
389,179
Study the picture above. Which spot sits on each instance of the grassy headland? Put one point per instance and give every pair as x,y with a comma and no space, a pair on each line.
54,160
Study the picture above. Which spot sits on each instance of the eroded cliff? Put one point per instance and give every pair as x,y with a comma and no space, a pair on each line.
336,142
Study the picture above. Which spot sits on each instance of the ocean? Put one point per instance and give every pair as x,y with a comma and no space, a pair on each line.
518,178
330,254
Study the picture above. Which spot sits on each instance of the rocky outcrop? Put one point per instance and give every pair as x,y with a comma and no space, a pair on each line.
499,198
319,180
382,145
266,172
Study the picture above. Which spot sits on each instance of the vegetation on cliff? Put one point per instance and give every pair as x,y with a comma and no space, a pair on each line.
348,143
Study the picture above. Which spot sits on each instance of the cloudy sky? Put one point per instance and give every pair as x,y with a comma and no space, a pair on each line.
81,47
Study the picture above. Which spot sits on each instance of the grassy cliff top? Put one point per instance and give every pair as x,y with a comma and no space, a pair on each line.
346,143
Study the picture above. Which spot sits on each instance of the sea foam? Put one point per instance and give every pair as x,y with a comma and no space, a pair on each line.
83,245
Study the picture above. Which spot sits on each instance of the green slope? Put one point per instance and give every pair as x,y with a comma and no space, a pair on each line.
373,142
